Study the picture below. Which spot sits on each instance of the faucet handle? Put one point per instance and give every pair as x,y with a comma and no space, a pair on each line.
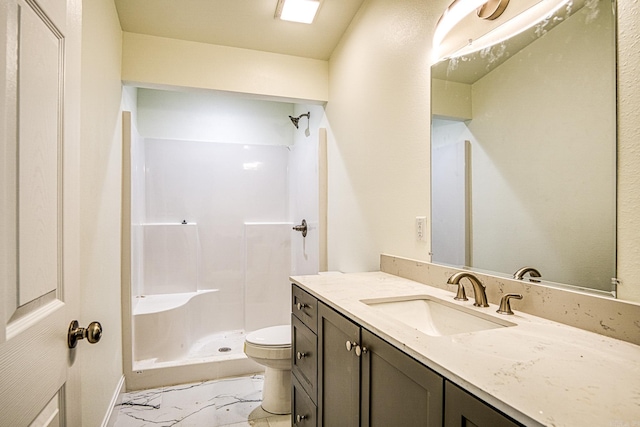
505,306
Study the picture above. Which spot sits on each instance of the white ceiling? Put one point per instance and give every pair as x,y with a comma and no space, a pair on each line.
245,24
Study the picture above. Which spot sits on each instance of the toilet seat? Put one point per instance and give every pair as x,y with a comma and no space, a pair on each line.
274,336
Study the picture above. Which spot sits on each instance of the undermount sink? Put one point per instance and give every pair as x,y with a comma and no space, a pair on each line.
435,317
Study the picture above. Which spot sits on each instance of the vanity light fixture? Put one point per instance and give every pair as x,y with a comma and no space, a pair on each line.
468,26
303,11
492,9
451,17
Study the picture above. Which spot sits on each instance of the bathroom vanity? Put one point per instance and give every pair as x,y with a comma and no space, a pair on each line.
359,361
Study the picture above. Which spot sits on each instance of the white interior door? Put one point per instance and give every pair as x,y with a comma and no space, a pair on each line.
39,111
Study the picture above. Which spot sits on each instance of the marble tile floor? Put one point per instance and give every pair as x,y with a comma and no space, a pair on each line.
231,402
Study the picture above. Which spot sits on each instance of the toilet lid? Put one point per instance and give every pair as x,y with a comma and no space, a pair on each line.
272,336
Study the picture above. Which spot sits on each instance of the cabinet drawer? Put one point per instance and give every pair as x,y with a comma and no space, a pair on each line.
303,410
305,307
304,357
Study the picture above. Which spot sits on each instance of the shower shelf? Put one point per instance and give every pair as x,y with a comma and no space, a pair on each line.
148,304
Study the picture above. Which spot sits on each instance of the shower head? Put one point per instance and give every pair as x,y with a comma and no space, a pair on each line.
295,120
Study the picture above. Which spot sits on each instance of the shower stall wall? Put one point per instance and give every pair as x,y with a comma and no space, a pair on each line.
213,249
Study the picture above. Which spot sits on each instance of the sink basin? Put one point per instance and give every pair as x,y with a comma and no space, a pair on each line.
435,317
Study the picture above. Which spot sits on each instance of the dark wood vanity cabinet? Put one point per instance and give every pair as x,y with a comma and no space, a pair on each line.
369,382
462,409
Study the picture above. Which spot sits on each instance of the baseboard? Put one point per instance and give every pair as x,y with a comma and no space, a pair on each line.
111,416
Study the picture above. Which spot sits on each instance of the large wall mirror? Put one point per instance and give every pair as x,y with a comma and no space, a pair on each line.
524,152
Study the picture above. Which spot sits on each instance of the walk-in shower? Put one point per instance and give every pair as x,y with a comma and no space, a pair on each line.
212,244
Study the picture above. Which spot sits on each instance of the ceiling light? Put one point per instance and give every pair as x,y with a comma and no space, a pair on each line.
303,11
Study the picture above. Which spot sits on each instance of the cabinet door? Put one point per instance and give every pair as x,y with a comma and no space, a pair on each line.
462,409
396,389
338,370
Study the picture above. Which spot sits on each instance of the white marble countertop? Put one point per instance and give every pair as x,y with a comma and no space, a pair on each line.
539,372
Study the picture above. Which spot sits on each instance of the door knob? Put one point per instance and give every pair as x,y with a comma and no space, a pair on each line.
92,333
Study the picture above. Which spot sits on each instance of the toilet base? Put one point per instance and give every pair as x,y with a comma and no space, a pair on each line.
276,391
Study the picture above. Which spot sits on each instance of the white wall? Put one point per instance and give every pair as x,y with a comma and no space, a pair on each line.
160,62
100,198
379,119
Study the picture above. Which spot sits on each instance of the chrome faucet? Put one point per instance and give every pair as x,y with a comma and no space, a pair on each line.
519,275
478,288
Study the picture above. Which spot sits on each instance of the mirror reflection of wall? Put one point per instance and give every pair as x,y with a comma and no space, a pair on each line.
542,158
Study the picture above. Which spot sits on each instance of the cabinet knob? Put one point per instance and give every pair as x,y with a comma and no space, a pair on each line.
300,418
300,355
350,345
360,350
301,305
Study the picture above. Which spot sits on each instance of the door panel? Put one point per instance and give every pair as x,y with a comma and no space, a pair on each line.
461,409
40,47
338,370
50,415
396,389
38,232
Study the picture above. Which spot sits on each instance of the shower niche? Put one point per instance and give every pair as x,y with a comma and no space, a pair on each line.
216,185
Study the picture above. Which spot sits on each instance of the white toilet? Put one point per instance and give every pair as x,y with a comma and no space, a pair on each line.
271,347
